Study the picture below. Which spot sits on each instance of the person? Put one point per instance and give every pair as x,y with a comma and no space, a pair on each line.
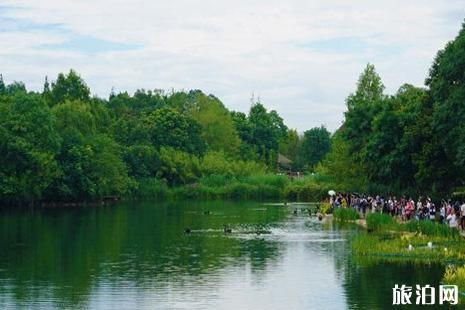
442,213
452,219
462,217
432,210
409,208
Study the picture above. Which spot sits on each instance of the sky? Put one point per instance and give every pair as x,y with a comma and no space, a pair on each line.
301,58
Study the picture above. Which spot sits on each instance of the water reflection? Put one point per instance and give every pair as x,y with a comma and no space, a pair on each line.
137,255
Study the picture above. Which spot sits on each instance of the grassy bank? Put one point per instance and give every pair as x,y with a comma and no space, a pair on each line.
257,187
345,214
387,240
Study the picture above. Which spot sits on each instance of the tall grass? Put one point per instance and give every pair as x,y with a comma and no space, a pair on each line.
455,275
257,187
306,189
430,228
151,188
345,214
379,221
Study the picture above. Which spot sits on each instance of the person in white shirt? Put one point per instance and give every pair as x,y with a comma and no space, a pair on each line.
442,213
452,219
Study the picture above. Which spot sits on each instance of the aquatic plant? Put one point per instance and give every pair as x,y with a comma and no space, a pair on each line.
345,214
378,221
455,275
431,228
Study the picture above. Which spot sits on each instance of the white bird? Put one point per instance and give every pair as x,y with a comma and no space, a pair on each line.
410,247
430,245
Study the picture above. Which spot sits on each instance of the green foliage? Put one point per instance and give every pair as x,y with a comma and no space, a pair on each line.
430,228
217,127
343,170
455,275
362,107
314,146
412,141
69,87
380,221
306,189
90,161
64,145
169,128
178,167
389,151
290,147
29,143
151,188
218,163
261,132
345,214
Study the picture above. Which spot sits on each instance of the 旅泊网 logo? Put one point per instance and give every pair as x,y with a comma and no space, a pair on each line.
424,295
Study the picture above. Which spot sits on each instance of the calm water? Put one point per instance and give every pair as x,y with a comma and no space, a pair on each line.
136,255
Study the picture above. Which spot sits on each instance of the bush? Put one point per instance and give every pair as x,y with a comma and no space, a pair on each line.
151,188
279,181
430,228
306,192
217,163
215,180
377,221
345,214
241,191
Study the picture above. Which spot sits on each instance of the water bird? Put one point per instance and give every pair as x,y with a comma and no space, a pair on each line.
295,211
206,212
227,230
320,217
187,230
410,247
430,245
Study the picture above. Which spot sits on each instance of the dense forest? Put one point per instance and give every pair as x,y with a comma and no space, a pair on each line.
62,144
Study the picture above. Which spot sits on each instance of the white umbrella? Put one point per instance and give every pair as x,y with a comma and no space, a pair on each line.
331,193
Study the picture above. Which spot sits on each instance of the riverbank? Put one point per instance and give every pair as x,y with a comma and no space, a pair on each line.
223,187
384,239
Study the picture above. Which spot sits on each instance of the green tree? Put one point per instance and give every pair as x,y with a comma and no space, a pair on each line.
290,145
315,144
393,143
341,168
15,88
267,130
217,127
69,87
28,144
2,85
90,161
169,128
444,156
362,106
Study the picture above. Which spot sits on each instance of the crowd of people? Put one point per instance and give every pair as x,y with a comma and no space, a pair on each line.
403,208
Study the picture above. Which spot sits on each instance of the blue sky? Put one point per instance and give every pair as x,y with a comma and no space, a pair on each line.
300,57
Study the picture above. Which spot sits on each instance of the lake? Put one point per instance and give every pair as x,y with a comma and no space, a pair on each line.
136,255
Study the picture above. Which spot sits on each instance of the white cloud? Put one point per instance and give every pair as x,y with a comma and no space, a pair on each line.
233,48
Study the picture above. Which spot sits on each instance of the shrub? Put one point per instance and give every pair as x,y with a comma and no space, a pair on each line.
305,192
345,214
215,180
430,228
377,221
151,188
